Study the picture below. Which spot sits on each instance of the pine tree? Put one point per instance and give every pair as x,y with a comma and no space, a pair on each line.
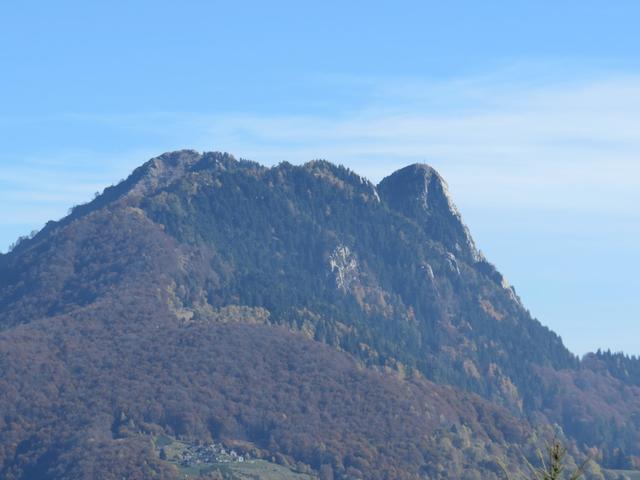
550,469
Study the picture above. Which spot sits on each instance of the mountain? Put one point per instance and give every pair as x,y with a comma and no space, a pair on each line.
300,314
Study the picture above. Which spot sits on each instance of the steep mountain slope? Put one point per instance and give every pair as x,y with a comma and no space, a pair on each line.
214,298
317,247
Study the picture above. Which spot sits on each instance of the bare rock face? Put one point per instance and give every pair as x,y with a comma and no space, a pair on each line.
344,266
420,193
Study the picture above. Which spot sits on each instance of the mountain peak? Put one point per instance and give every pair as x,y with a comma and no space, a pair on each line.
162,170
419,192
417,187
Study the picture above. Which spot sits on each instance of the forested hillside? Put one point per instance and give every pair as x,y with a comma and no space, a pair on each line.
343,329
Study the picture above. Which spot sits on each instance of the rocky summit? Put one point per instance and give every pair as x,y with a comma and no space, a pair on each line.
301,317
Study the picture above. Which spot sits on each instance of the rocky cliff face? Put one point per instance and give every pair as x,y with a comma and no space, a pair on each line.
420,193
387,275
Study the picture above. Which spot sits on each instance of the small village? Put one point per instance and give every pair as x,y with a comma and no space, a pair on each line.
199,455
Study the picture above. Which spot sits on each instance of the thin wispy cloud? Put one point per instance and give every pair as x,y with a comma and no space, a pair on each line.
569,143
563,145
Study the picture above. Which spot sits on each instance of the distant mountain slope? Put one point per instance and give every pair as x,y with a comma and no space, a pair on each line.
220,280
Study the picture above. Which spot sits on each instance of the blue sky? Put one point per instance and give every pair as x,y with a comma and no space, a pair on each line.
531,111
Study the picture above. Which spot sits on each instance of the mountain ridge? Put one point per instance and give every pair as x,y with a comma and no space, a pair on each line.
388,276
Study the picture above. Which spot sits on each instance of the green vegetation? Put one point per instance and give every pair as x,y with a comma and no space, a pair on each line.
184,456
551,468
260,470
